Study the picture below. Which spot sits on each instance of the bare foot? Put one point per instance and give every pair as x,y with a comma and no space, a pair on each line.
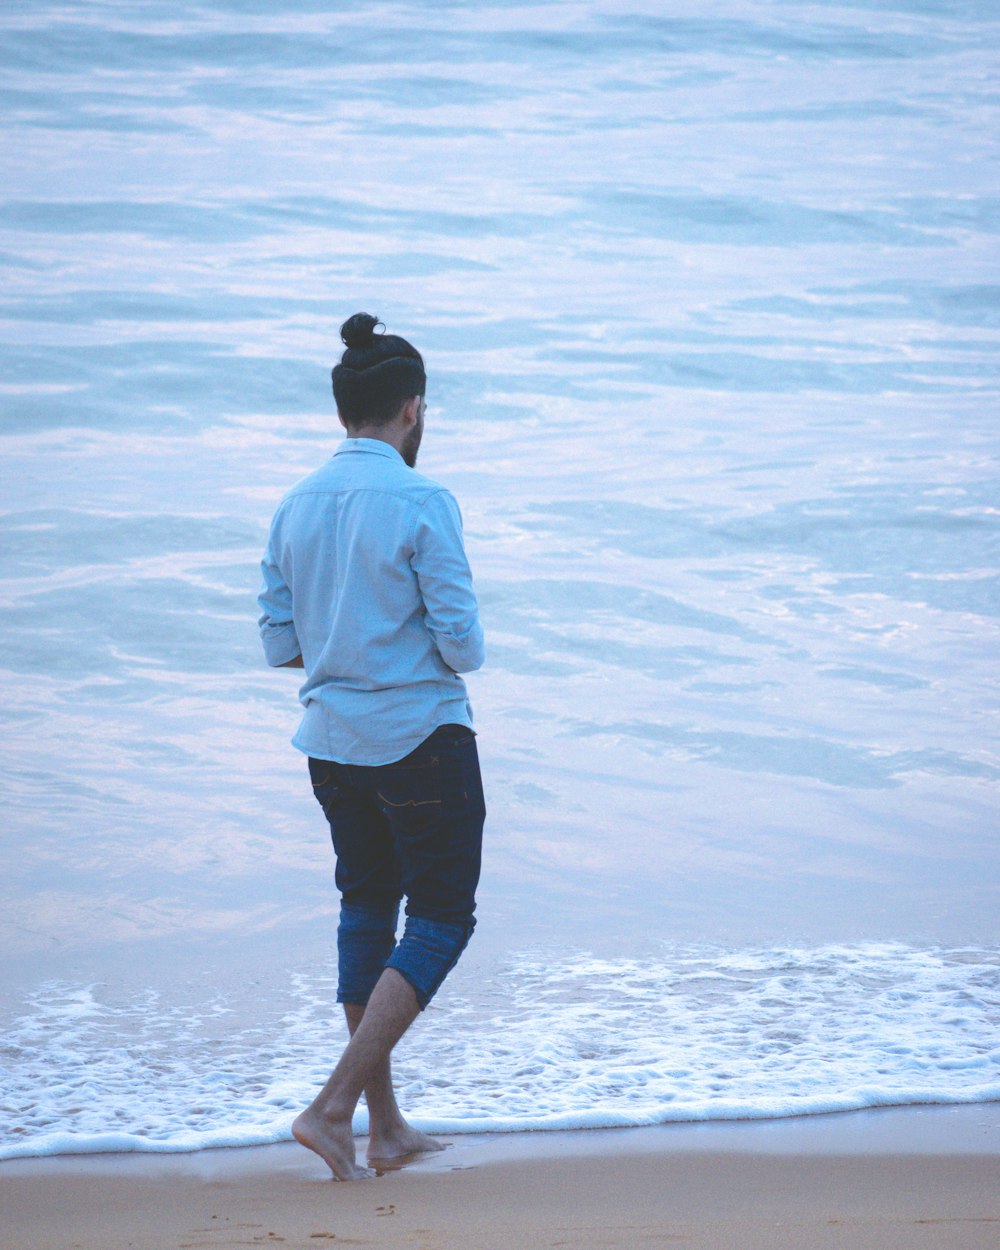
332,1140
401,1139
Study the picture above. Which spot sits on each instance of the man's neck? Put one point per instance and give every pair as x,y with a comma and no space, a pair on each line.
383,434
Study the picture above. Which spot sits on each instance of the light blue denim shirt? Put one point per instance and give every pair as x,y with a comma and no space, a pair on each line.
365,577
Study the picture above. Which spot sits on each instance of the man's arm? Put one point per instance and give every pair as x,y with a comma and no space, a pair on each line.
277,628
451,612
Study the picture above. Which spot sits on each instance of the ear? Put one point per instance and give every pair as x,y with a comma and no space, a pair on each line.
410,411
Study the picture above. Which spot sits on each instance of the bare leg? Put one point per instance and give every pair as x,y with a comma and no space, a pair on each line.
325,1125
389,1135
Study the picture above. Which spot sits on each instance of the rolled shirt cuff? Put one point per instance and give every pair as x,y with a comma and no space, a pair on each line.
280,643
463,653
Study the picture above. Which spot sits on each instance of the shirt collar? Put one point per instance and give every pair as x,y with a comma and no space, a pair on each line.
374,446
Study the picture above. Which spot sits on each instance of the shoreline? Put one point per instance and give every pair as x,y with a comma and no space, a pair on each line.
923,1128
899,1177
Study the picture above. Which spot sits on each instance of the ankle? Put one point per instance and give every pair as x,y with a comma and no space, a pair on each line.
333,1109
382,1123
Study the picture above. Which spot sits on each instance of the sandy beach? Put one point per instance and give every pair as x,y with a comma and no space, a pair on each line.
875,1181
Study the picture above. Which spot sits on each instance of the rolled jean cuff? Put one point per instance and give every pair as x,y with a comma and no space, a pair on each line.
366,936
428,951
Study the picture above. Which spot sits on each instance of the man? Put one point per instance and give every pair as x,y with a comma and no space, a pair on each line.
367,587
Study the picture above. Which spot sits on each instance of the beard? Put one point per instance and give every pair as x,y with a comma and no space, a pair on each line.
411,445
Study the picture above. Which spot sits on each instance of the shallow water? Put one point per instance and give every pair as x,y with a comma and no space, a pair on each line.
709,300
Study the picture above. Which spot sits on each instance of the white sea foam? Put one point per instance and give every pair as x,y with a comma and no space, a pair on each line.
577,1042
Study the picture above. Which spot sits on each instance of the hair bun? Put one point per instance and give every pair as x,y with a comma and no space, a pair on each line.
359,331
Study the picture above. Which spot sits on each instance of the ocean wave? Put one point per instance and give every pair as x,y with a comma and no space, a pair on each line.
694,1035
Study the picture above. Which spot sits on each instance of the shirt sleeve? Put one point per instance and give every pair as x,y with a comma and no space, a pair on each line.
277,628
445,580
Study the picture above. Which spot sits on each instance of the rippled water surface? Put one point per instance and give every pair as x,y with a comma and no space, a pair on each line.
709,297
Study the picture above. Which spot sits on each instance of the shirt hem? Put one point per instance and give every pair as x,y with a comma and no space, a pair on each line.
390,754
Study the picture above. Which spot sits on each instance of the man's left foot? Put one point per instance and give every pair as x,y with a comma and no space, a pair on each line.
401,1142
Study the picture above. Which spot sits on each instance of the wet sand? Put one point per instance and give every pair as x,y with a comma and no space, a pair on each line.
875,1181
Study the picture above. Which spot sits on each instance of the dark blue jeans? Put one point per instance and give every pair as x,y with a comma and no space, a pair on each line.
412,829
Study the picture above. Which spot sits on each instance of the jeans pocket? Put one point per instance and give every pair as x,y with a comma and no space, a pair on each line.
447,736
410,796
325,785
321,772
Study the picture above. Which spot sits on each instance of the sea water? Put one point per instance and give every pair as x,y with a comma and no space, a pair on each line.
709,299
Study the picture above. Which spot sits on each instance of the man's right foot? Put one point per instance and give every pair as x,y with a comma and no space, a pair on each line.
332,1140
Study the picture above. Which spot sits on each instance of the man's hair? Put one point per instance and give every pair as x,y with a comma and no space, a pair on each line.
376,375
